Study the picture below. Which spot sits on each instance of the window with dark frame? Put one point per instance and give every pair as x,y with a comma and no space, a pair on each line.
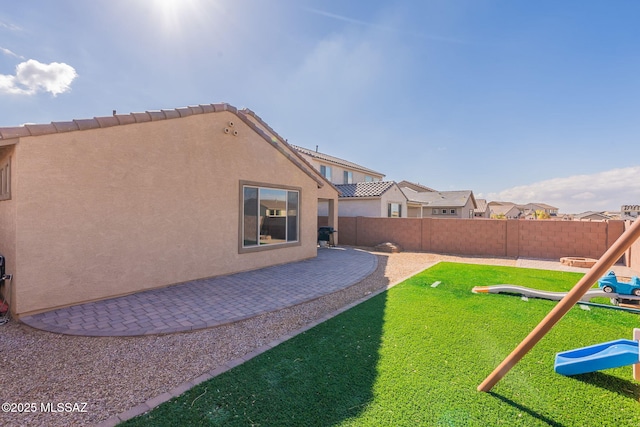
325,171
394,210
270,216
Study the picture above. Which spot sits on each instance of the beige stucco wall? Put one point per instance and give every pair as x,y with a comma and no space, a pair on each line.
359,207
372,207
414,212
113,211
8,226
393,195
337,171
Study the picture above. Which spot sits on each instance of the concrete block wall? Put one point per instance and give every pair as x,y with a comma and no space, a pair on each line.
632,255
555,239
485,237
467,237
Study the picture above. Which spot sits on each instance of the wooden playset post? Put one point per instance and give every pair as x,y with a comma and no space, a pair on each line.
607,260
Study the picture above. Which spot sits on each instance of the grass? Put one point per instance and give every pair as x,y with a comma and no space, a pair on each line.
414,355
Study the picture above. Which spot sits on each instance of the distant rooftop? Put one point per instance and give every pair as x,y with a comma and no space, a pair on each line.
482,205
365,189
441,198
335,160
415,186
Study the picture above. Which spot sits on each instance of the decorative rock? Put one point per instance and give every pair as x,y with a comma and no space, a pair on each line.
388,247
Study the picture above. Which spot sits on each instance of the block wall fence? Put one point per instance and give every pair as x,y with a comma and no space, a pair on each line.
488,237
632,256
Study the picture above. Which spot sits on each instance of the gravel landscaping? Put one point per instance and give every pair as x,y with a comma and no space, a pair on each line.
41,370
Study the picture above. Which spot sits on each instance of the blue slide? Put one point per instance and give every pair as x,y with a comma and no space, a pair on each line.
612,354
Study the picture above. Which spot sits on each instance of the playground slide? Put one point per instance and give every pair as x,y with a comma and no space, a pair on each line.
612,354
556,296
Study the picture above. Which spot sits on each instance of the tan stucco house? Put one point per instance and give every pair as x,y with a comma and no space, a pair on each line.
102,207
337,170
502,210
378,199
424,202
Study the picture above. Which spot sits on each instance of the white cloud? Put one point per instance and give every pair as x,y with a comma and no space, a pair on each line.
10,53
579,193
9,26
33,76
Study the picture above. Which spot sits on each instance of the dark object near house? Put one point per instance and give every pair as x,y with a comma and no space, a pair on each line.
325,234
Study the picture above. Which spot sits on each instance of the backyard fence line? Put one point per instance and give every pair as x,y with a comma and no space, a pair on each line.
542,239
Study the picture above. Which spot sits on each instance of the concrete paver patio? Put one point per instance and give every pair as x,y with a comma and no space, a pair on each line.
211,302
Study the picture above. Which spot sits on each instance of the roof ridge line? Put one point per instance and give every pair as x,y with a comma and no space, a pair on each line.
37,129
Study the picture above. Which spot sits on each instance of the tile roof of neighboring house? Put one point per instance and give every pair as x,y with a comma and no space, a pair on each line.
441,198
365,189
504,209
544,206
482,205
335,160
522,206
590,213
9,135
415,186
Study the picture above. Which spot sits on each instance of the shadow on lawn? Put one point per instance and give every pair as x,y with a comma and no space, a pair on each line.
617,385
321,377
529,411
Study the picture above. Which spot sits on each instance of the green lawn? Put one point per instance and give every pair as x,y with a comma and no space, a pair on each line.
414,356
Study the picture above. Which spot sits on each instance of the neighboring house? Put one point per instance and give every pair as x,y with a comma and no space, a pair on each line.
552,211
613,215
440,204
591,216
415,186
511,210
630,212
338,171
504,210
96,208
482,211
372,199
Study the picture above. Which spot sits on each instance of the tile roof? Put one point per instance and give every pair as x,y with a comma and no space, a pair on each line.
365,189
591,213
335,160
114,120
544,206
440,198
415,186
482,205
505,209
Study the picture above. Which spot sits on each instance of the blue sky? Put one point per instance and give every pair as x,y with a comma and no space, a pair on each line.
518,100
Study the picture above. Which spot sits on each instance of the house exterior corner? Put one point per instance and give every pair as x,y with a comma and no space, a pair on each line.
119,209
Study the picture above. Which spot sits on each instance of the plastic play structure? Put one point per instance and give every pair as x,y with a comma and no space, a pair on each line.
624,302
612,354
607,260
610,283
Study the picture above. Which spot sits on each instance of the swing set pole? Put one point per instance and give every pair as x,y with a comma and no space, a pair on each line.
600,268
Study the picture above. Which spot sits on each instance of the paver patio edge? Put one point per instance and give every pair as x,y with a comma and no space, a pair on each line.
135,411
